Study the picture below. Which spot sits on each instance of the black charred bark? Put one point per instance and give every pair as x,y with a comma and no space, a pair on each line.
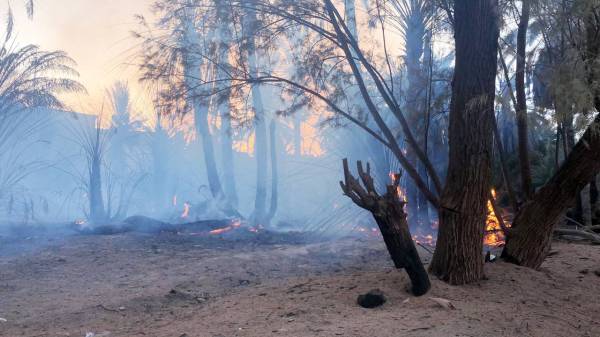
388,211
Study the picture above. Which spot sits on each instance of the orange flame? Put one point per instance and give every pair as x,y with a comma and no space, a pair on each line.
233,226
493,232
399,191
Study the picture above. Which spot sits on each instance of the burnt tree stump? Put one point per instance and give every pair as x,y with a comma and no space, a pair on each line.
388,211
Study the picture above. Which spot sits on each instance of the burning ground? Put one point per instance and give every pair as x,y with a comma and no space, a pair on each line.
243,283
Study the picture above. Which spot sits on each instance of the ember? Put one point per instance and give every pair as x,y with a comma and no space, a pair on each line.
234,225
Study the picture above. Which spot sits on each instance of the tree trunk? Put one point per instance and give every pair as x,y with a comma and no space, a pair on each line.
97,212
388,211
415,105
192,65
458,258
529,244
595,200
274,170
521,108
224,106
412,195
576,212
260,129
201,123
586,206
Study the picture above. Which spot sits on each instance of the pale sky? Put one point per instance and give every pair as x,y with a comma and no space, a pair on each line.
96,33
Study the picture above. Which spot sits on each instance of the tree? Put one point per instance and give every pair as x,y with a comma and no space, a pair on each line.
529,242
521,98
30,78
414,19
250,26
176,60
274,171
458,256
223,40
338,58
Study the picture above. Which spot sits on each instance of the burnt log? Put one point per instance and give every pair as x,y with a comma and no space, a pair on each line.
388,212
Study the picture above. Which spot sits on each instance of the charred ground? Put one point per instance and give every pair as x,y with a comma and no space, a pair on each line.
270,284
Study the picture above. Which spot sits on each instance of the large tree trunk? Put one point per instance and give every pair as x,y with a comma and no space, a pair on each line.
458,258
529,243
521,108
388,211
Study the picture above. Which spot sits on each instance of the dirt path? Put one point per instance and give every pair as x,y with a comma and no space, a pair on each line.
165,285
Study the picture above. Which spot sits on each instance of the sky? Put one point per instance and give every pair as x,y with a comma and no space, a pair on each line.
96,33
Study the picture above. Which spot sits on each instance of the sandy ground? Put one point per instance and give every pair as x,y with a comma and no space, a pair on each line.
168,285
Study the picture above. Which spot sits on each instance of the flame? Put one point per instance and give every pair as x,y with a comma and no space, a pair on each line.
493,232
232,226
399,191
186,210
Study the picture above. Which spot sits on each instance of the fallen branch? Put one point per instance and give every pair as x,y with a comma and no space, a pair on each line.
594,238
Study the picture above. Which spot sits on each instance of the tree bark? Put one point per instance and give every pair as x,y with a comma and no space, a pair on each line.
388,212
458,258
521,108
529,244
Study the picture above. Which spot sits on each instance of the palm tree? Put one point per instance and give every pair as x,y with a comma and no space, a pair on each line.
29,78
414,20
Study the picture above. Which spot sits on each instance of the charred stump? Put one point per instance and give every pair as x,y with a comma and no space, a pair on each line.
388,211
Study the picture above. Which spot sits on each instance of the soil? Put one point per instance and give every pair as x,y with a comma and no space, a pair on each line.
164,284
